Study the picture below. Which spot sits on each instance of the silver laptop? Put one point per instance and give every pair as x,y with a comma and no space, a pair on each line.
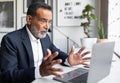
100,64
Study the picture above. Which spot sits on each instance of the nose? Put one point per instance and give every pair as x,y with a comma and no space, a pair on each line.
48,24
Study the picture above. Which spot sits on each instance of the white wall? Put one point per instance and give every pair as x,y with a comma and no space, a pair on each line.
114,23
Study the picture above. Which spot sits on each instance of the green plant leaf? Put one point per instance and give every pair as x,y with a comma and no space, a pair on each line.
93,16
101,31
89,7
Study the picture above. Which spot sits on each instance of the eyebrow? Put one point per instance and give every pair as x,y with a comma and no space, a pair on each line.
45,19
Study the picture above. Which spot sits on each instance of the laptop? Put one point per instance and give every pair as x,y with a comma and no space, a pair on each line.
100,65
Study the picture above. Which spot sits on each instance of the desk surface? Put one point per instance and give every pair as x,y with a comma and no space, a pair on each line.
113,77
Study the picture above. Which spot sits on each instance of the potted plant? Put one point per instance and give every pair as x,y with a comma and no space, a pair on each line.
87,16
101,33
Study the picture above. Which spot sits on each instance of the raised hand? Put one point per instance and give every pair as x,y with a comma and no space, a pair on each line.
46,68
78,58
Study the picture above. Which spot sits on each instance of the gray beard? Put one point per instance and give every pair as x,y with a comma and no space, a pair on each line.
39,35
36,33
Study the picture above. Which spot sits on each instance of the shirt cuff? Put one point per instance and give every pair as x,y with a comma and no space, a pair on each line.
66,62
37,73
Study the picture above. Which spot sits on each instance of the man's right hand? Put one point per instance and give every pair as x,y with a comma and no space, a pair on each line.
46,68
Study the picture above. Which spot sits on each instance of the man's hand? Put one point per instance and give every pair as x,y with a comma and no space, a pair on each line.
78,58
46,68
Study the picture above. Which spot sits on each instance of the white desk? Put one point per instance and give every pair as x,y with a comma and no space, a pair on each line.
113,77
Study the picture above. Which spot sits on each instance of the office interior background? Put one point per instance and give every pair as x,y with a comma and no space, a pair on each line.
64,32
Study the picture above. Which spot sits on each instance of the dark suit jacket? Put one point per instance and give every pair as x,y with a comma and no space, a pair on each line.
16,56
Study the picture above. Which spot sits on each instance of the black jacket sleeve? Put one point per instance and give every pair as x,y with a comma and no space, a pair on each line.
12,70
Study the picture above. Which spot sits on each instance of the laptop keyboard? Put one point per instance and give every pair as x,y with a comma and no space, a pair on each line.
80,79
76,76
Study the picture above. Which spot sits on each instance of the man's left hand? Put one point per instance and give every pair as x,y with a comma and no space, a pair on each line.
79,57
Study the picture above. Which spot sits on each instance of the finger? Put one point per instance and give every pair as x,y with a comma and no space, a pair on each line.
53,55
48,51
86,59
58,75
81,49
56,62
48,54
85,53
85,64
57,69
50,61
72,50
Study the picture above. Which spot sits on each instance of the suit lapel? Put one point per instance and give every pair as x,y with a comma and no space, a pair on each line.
43,46
45,42
27,44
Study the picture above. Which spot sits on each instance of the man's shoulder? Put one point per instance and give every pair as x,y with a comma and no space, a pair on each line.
15,33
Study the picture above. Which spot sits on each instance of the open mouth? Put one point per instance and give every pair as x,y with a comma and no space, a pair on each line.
43,31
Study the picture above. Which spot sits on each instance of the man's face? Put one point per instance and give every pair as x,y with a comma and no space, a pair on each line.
40,23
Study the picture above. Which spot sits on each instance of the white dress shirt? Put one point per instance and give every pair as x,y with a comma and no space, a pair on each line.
37,53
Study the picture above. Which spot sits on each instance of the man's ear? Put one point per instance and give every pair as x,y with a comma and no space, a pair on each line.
28,19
